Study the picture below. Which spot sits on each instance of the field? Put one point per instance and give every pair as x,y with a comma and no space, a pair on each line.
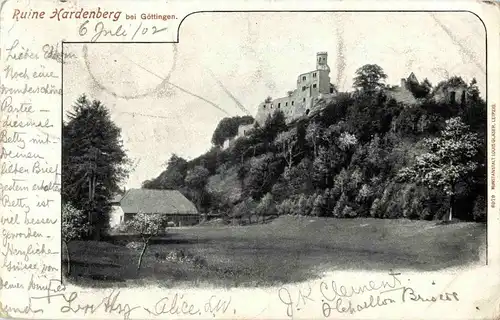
288,249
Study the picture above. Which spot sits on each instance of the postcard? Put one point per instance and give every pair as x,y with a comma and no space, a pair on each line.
249,160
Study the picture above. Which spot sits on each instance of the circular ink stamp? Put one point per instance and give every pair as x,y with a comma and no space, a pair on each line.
126,75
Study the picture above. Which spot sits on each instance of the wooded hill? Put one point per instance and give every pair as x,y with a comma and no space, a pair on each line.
364,155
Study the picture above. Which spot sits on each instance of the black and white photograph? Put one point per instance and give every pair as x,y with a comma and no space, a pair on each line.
283,146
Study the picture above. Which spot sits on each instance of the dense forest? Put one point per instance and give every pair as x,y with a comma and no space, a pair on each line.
363,155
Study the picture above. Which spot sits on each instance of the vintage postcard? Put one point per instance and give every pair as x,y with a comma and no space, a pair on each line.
249,160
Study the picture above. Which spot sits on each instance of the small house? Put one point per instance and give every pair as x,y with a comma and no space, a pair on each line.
178,210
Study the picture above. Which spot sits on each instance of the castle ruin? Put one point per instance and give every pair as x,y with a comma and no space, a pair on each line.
313,90
311,87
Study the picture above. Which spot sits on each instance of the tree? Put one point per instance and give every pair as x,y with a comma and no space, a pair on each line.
173,176
287,143
347,141
266,207
285,207
196,180
369,78
318,205
298,178
313,136
427,85
451,158
261,175
275,123
73,227
147,226
420,90
340,205
479,210
301,206
473,90
244,209
179,165
322,170
228,128
94,161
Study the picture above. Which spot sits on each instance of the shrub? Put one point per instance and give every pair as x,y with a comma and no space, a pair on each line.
348,212
318,206
181,256
266,207
479,211
285,208
339,206
375,209
364,194
134,245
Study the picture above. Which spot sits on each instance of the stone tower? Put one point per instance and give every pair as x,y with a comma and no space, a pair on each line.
322,61
323,72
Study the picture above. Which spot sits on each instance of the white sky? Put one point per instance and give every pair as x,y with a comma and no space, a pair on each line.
255,55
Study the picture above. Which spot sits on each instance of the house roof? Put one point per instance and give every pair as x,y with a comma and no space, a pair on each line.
156,201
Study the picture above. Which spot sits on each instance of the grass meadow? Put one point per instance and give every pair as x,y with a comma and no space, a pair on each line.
285,250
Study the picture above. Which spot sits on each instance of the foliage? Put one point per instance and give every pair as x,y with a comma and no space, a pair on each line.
228,128
450,159
338,210
313,135
420,90
94,161
473,90
196,180
369,78
479,211
298,178
263,172
275,123
266,206
349,159
244,209
318,205
74,224
454,81
287,143
197,177
172,178
147,226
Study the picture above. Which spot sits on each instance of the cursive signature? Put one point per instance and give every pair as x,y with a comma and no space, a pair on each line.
409,294
179,305
333,291
286,298
174,306
340,306
109,304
